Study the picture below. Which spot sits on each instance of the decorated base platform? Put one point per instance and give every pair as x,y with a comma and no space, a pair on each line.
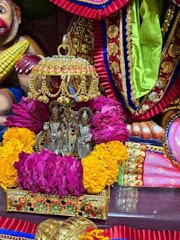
90,206
144,208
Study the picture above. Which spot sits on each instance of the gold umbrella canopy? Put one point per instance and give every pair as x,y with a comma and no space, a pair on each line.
64,78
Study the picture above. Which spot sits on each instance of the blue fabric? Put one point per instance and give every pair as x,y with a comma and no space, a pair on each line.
2,131
17,92
95,6
151,141
120,239
16,234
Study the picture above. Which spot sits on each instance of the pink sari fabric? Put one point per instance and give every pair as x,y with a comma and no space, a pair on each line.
173,139
159,171
148,166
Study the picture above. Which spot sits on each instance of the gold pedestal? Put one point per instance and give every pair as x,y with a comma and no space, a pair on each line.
90,206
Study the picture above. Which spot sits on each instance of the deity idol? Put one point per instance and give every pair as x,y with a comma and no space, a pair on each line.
136,54
84,139
54,130
134,46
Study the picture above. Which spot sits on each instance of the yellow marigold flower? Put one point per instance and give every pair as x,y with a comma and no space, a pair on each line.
15,140
24,135
94,175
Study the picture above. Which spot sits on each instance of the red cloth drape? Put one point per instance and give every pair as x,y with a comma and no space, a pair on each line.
129,233
92,9
17,225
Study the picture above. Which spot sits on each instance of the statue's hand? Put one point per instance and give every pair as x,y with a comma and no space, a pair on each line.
26,63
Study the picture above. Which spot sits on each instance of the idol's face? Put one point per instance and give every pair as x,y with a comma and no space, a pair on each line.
54,113
6,17
10,18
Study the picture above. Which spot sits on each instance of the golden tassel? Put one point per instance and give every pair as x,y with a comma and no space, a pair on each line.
10,56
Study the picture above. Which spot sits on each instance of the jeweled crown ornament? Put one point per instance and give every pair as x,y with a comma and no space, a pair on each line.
63,77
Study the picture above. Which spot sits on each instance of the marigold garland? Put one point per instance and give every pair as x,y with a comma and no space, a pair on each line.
15,140
100,167
94,234
24,135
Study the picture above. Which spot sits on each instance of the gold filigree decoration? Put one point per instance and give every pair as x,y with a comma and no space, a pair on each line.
113,49
114,67
71,228
161,84
112,31
133,167
167,149
46,228
80,39
167,67
129,54
175,105
174,50
154,148
63,77
168,18
90,206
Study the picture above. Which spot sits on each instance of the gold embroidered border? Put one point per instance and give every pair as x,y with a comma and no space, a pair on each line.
115,54
166,145
80,38
133,167
168,18
169,61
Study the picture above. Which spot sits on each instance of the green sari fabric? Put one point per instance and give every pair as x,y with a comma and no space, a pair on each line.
146,44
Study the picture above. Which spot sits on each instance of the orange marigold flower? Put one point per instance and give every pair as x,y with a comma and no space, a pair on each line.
94,234
100,167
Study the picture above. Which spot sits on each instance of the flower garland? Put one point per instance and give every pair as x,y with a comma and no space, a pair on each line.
47,172
100,167
15,140
29,114
108,120
94,234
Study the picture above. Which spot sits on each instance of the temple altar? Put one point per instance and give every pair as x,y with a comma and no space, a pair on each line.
143,208
153,208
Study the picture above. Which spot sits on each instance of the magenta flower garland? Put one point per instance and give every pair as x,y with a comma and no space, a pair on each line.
29,114
108,120
47,172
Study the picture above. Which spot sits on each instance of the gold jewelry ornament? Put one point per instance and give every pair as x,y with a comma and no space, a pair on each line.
71,228
171,139
64,77
175,105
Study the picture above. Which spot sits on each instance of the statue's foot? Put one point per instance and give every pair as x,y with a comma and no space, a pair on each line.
146,130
